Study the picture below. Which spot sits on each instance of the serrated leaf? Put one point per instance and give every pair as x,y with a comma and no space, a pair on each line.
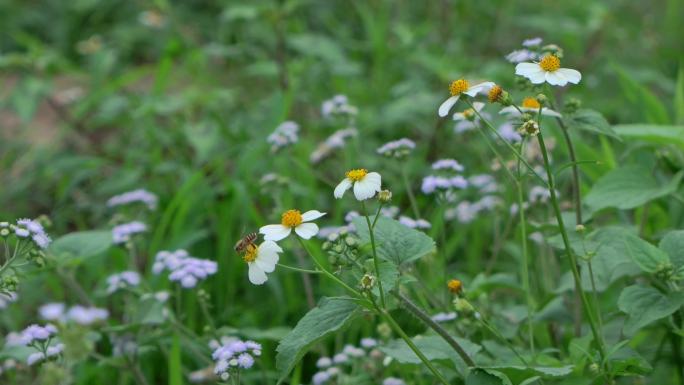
433,347
592,121
331,315
645,305
629,187
673,244
81,245
395,242
648,257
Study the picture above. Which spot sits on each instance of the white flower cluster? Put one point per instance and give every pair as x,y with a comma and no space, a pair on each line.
331,367
337,140
82,315
338,105
122,233
526,54
233,355
284,135
414,223
444,181
183,268
397,148
122,280
139,195
26,228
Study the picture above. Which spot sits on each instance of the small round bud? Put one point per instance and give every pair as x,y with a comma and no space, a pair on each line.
594,368
338,248
463,306
580,228
455,286
225,376
385,196
384,330
326,246
4,232
351,241
332,259
530,127
542,99
367,282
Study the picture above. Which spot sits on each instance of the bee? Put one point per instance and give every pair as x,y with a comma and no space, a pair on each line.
247,240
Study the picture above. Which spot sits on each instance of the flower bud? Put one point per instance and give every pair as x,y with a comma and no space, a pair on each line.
455,286
367,282
542,99
385,196
351,241
384,330
580,228
530,127
4,233
463,306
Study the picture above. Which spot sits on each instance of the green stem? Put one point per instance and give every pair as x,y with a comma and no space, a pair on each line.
420,314
409,191
525,266
388,318
568,250
300,270
376,262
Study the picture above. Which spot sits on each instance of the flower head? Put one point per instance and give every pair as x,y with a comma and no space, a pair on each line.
455,286
397,148
139,195
122,280
293,219
34,229
122,233
261,259
462,87
183,268
530,105
284,135
365,184
549,70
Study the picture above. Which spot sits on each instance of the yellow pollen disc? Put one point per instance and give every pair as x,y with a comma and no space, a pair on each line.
357,174
468,113
495,94
530,103
291,218
250,253
458,87
455,286
550,63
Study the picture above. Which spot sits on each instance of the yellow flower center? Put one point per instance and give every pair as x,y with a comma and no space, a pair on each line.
495,94
455,286
469,113
458,87
356,175
291,218
550,63
530,103
250,253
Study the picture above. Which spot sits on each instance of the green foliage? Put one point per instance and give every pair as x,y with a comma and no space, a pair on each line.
645,305
395,242
75,247
592,121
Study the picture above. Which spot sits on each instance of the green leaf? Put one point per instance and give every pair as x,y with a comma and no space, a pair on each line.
480,376
611,262
150,311
331,315
175,362
629,187
627,362
679,94
649,258
433,347
395,242
528,371
645,305
592,121
673,244
81,245
652,133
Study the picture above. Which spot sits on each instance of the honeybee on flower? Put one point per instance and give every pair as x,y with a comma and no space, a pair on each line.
293,220
365,184
548,70
261,259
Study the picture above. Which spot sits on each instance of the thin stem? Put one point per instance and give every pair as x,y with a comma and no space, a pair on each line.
210,319
300,270
376,262
568,250
525,266
388,318
509,145
500,336
420,314
409,191
595,295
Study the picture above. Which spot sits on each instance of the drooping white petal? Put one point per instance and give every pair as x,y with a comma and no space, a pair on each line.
368,186
572,76
275,232
256,275
307,230
266,265
311,215
446,106
555,79
458,116
270,246
267,257
482,87
510,110
550,112
342,187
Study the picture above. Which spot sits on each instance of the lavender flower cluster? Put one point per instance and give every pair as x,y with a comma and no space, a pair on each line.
122,280
122,233
337,105
446,180
183,268
78,314
337,140
284,135
30,335
233,355
397,148
50,351
526,54
26,228
139,195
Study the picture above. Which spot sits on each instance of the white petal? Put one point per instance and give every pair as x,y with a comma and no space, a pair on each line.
266,260
458,116
482,87
550,112
367,187
555,79
572,76
270,246
306,230
275,232
342,187
446,106
256,275
526,68
510,110
311,215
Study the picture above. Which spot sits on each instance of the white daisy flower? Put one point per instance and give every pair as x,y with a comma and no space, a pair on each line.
293,219
530,105
261,259
548,70
365,183
469,114
459,87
